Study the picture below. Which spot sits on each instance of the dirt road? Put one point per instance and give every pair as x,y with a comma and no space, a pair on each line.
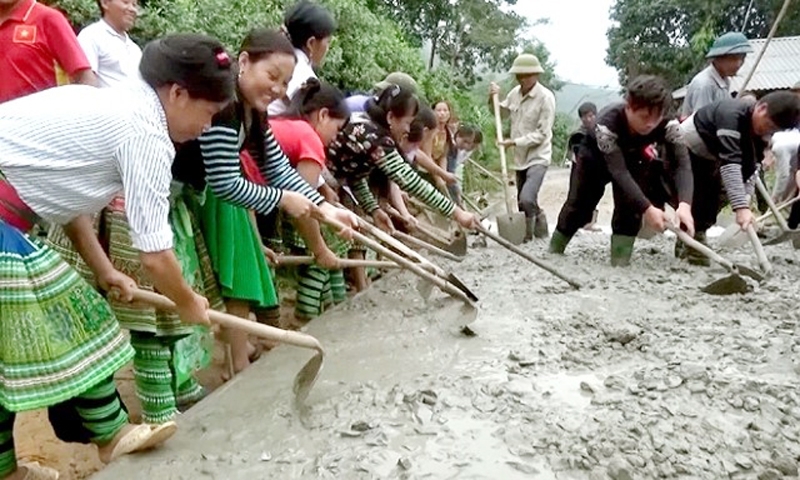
638,375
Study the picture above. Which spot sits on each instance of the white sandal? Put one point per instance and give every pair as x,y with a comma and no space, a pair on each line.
36,471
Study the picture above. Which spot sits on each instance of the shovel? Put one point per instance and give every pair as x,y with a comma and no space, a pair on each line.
733,283
735,237
468,311
507,244
305,378
512,225
424,287
786,234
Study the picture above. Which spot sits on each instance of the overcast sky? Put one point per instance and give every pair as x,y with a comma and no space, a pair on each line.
576,37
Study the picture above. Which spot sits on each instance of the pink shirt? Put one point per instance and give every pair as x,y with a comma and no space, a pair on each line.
298,140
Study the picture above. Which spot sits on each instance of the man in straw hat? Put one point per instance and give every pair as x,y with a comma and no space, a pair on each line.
532,110
713,83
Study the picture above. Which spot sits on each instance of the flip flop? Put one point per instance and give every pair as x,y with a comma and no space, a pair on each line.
36,471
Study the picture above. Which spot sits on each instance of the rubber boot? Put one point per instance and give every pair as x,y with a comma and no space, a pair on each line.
558,243
621,250
796,243
540,229
530,226
693,256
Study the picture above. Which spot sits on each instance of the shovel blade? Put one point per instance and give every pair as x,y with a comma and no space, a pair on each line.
782,237
455,313
729,285
511,226
424,288
306,378
459,244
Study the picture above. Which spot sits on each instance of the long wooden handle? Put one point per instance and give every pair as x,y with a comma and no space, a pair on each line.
292,260
772,207
485,171
691,242
231,321
498,123
771,34
502,241
399,259
759,249
427,246
394,243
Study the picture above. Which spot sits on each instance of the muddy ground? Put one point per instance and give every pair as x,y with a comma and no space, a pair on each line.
637,375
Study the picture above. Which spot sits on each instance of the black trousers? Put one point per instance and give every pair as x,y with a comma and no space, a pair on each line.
794,216
588,181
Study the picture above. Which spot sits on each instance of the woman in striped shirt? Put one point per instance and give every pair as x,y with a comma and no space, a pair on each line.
64,154
266,62
369,142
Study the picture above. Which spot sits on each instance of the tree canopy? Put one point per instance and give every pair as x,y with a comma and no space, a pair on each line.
670,37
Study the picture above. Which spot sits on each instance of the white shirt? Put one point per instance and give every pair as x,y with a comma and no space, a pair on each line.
114,57
69,150
302,72
784,147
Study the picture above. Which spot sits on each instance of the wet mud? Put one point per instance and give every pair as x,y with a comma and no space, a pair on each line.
637,375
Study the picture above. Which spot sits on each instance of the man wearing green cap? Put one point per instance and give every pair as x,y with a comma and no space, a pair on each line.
532,110
713,83
357,103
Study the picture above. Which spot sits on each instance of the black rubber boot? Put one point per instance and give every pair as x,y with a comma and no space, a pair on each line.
530,226
693,256
621,250
540,229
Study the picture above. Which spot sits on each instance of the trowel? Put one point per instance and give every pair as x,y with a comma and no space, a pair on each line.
307,376
733,283
512,224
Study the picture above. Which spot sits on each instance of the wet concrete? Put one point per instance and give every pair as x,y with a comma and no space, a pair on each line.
639,375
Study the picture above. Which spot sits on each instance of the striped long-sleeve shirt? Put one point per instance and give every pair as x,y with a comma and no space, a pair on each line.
69,150
221,168
725,128
363,146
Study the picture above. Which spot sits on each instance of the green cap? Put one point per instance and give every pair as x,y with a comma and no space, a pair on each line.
731,43
403,80
526,63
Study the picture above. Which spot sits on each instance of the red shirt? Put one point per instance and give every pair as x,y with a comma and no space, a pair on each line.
37,41
298,140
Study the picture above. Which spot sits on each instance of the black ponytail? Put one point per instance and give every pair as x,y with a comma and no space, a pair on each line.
315,95
306,20
393,99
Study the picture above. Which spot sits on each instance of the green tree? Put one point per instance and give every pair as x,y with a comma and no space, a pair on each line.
468,35
670,37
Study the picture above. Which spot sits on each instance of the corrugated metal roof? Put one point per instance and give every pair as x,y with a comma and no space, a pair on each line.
779,68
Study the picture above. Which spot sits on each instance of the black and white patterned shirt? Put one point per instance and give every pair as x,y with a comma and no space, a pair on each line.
69,150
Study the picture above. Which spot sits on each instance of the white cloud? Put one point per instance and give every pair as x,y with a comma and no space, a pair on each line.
575,36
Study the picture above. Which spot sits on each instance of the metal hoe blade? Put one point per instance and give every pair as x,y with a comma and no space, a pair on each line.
730,285
306,378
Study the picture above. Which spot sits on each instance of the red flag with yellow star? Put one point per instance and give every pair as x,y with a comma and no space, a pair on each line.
24,34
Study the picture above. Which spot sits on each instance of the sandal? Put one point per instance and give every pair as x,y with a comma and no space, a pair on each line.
158,435
131,442
36,471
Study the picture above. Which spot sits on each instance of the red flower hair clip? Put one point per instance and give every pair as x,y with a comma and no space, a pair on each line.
223,60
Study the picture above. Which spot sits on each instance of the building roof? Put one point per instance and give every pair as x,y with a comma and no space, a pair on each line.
779,69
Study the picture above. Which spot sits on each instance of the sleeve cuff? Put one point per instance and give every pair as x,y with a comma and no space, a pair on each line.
153,242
